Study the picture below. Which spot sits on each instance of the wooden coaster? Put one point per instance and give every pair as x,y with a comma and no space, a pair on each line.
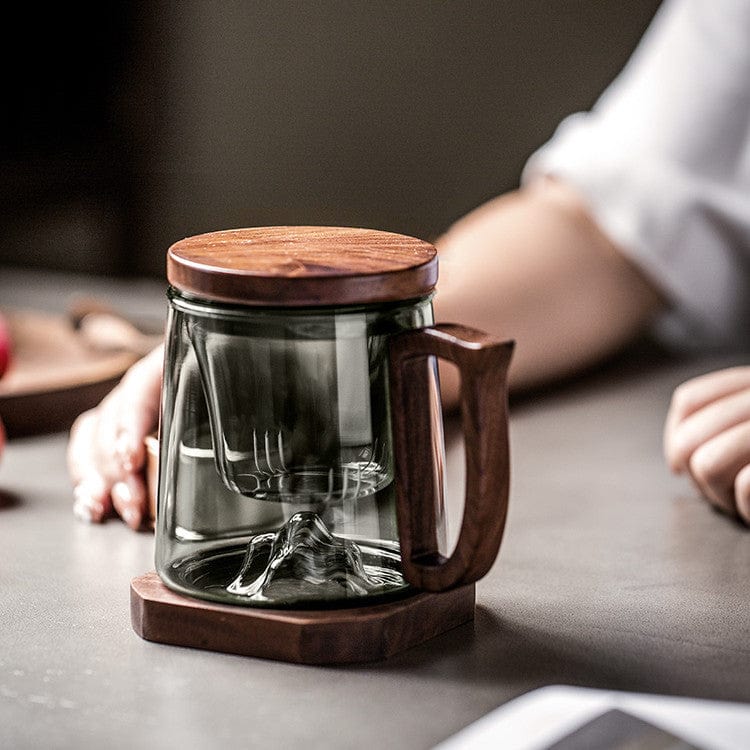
336,636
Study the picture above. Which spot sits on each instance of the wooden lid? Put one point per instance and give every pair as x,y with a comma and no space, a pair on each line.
303,266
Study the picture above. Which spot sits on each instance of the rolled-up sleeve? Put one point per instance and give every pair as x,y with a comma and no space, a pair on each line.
663,162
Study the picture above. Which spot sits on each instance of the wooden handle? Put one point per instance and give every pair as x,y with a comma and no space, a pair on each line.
483,365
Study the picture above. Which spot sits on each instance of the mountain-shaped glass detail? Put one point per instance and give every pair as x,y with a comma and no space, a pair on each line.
304,561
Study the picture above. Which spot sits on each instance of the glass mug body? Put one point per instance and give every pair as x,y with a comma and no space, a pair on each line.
276,467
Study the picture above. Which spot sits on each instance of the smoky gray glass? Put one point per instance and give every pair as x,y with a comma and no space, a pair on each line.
276,469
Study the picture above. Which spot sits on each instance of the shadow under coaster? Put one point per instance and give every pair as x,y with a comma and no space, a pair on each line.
333,636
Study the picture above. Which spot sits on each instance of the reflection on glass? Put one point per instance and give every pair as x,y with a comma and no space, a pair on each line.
276,481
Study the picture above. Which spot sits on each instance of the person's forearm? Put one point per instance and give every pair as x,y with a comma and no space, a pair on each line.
533,266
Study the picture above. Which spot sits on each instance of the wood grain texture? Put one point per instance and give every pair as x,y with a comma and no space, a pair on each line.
336,636
303,266
55,374
483,364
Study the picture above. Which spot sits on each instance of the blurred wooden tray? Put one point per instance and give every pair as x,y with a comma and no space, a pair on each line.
55,373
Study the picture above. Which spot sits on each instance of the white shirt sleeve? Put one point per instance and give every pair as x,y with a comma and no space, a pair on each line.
663,160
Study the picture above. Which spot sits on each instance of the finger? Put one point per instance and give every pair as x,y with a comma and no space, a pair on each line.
91,491
742,493
138,410
91,499
79,456
129,500
83,452
715,465
703,425
107,425
695,393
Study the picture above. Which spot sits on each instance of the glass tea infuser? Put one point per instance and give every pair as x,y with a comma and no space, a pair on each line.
301,448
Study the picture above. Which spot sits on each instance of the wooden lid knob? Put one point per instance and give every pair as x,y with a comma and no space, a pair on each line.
303,266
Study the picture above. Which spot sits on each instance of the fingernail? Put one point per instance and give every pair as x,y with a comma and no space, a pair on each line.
124,450
91,487
125,501
132,517
88,511
82,512
87,506
123,493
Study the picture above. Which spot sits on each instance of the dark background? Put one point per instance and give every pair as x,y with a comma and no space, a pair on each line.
130,125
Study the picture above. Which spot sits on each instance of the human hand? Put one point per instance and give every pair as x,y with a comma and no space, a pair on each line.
707,434
106,451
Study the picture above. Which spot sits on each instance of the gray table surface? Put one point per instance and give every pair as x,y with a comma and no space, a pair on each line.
612,574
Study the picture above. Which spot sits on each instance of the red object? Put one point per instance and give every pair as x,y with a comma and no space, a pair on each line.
5,346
